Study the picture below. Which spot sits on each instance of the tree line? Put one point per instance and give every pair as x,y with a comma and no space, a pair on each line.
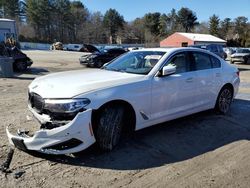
71,22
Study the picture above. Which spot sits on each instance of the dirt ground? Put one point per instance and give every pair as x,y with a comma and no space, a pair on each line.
202,150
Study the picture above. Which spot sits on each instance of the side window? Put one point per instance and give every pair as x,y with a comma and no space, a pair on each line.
202,61
180,62
213,48
215,62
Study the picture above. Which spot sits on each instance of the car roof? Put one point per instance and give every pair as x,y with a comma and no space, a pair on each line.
168,50
180,49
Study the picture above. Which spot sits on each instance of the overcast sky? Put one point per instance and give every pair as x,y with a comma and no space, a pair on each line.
131,9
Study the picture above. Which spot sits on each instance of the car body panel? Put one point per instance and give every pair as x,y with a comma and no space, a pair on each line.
43,139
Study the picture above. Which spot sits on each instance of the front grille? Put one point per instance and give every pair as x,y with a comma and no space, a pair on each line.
36,102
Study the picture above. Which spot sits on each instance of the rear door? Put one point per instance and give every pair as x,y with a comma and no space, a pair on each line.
207,78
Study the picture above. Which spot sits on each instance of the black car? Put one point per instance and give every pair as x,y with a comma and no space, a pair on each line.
215,48
98,59
21,60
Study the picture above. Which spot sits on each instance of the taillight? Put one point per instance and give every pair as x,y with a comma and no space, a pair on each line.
238,73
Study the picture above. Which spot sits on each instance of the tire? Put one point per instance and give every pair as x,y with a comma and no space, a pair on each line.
98,64
20,66
248,61
224,100
109,127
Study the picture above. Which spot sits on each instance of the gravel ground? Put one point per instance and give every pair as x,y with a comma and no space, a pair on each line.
201,150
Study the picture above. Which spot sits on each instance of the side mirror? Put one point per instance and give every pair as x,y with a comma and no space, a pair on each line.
167,70
105,64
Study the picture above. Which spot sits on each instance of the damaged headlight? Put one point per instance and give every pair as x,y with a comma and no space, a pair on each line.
65,105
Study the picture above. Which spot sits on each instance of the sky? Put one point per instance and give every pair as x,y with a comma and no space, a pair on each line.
131,9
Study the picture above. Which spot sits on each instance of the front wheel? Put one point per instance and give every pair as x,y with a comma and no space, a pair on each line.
224,100
109,127
20,66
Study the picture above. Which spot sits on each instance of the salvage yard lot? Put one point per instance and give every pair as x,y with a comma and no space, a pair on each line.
202,150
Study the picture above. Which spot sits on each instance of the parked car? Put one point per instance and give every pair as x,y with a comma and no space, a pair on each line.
98,59
215,48
229,51
138,89
57,46
21,60
89,48
241,55
73,47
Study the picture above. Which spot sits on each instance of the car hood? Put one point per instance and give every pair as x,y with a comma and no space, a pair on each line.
72,83
239,54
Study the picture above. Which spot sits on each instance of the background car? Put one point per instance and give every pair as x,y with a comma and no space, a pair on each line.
57,46
229,51
241,55
98,59
73,47
21,60
215,48
89,48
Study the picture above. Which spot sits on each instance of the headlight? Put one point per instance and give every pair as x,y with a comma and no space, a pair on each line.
65,105
93,56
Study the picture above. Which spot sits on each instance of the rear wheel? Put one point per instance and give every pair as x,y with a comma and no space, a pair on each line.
224,100
247,61
109,127
20,66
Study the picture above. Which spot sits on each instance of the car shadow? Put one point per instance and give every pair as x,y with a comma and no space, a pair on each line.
243,69
32,73
35,71
169,142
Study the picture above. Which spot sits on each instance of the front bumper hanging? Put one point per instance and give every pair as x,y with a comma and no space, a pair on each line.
73,137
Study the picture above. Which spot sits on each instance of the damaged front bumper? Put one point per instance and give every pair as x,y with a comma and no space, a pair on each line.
73,137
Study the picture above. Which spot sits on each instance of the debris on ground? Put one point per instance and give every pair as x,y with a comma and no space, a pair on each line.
18,173
6,165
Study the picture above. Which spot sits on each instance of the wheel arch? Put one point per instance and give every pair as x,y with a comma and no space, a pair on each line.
228,85
130,115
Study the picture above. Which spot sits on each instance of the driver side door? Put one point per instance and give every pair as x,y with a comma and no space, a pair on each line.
174,95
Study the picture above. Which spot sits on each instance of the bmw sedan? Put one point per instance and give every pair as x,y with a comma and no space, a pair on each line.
138,89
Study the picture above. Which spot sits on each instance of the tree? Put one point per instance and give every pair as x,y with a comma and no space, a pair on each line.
10,9
138,29
163,24
203,28
241,29
78,17
187,19
172,22
225,27
94,31
152,22
113,21
214,25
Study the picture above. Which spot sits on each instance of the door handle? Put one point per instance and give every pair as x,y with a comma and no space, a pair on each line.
189,80
217,74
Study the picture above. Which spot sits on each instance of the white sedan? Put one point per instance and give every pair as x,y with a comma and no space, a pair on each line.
138,89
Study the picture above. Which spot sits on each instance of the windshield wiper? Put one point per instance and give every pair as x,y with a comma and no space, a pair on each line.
113,69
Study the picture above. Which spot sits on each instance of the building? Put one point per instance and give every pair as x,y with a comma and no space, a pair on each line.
7,29
186,39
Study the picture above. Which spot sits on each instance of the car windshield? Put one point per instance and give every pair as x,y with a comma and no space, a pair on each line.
137,62
243,51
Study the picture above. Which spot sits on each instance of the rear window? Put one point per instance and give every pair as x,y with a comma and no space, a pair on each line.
215,62
202,61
